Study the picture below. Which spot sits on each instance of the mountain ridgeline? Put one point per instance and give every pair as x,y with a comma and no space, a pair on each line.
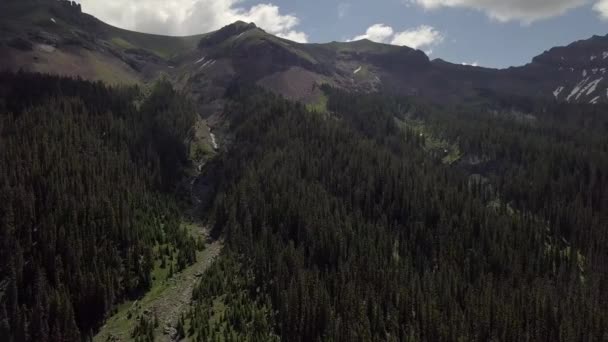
360,191
55,37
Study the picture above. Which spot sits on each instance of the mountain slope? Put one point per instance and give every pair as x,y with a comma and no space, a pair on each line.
359,228
371,214
55,37
577,70
246,53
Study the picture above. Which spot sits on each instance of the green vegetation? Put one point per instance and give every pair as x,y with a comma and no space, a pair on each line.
227,307
256,37
122,43
448,152
70,22
320,105
201,148
164,46
355,217
108,73
87,186
350,230
161,303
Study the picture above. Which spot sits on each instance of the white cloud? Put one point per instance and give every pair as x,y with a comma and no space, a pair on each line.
379,33
299,37
470,64
525,11
602,8
186,17
422,36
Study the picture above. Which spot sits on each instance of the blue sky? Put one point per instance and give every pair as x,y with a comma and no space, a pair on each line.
493,33
469,35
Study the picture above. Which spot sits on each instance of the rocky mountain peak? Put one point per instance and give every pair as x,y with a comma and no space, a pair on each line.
226,32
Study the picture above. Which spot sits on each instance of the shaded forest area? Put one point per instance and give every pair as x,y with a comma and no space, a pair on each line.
378,219
343,226
87,186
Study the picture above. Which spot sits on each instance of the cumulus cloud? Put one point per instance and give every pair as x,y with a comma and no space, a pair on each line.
470,64
299,37
419,37
378,33
186,17
526,11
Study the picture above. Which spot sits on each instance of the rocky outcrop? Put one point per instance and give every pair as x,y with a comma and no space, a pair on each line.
224,33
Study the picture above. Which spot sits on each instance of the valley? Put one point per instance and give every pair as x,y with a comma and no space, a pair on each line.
239,186
165,303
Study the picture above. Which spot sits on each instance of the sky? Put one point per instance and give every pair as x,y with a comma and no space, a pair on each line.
490,33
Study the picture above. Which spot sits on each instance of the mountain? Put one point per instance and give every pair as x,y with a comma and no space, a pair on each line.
401,199
577,72
50,36
56,37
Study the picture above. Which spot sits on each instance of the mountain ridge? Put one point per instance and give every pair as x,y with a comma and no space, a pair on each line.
56,37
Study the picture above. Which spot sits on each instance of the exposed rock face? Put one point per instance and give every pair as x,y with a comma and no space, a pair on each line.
402,60
225,32
574,73
588,53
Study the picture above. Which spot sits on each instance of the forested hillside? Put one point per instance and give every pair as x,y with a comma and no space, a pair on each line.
87,187
387,219
370,218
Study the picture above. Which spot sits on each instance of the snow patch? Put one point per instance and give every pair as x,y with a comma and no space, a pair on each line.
584,89
46,48
200,60
356,71
577,88
240,34
592,58
594,70
204,65
584,73
590,88
53,20
213,141
595,99
558,91
207,63
604,54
